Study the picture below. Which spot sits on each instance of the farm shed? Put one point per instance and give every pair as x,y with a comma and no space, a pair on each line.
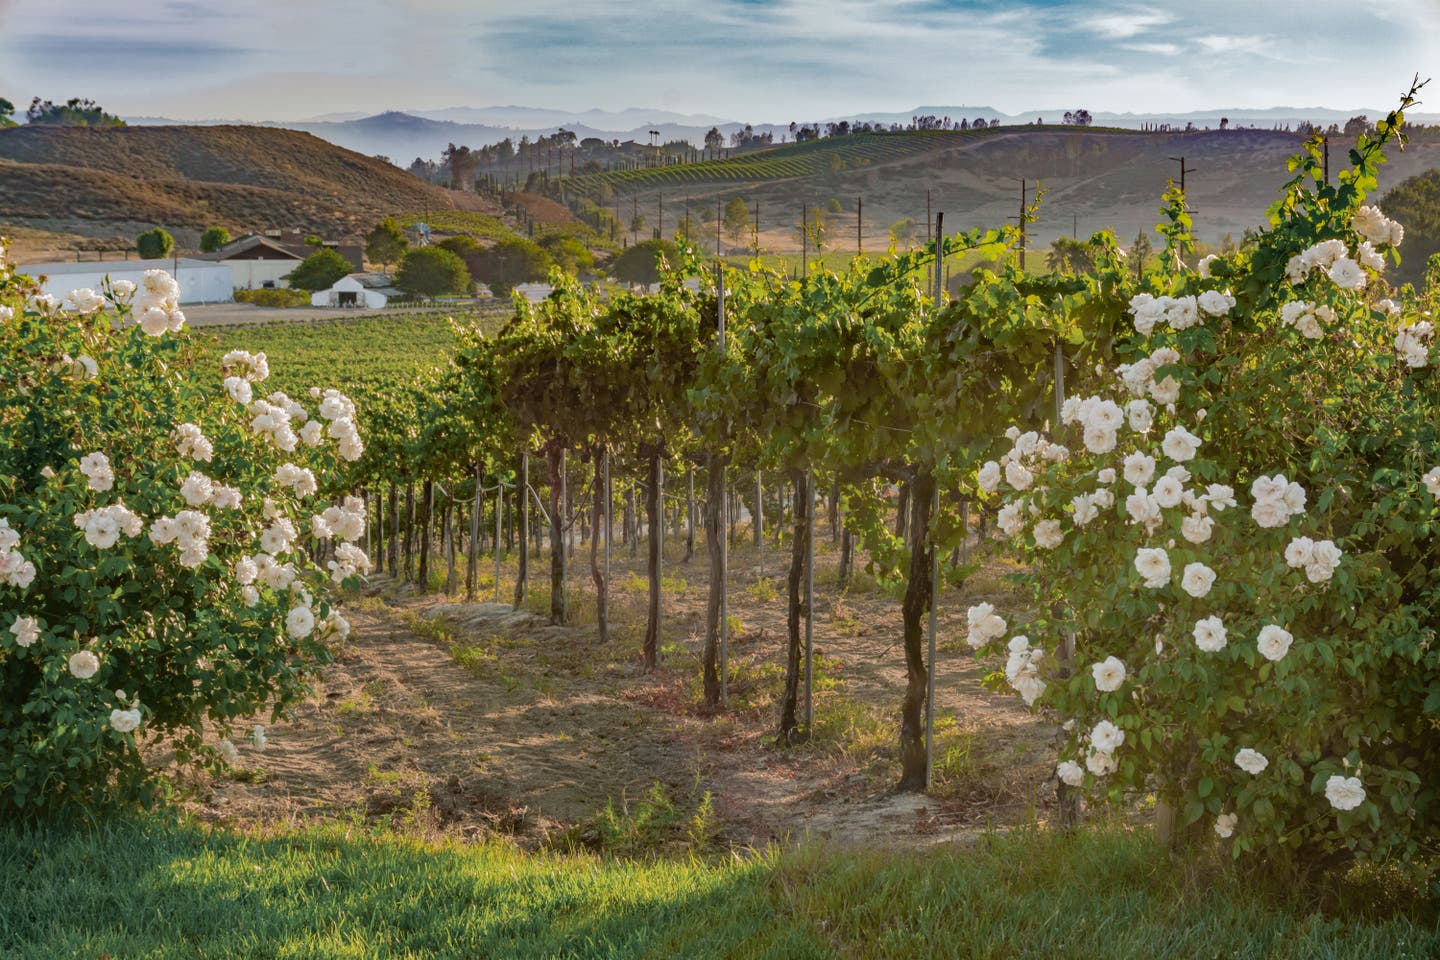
349,292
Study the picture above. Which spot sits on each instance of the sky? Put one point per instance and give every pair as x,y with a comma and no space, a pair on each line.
761,61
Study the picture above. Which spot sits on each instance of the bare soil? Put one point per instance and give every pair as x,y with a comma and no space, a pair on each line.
480,719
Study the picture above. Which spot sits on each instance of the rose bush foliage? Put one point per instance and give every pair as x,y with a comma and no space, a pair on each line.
153,585
1238,527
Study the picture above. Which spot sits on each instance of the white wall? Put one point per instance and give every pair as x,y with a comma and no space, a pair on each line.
200,281
253,274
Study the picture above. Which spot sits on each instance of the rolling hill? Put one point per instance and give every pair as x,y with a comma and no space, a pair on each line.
1093,179
105,183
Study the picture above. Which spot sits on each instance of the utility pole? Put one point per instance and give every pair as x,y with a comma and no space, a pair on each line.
1023,218
717,228
1183,170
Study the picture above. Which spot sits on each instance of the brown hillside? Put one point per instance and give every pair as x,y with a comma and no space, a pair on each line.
104,182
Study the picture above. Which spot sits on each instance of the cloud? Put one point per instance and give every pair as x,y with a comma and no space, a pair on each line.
1122,26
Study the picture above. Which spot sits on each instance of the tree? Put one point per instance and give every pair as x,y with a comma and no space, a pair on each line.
154,244
213,239
1069,255
319,271
737,219
641,263
512,261
385,244
1357,125
714,140
432,272
569,254
72,113
902,232
7,113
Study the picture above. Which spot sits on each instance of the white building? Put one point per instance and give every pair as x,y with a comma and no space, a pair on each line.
259,261
349,292
200,281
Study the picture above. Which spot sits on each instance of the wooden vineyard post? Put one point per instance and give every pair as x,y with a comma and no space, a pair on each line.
472,561
409,531
522,504
758,522
715,464
392,546
499,515
1067,797
451,578
934,552
689,513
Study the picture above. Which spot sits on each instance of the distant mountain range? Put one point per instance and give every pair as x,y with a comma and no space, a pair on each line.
404,135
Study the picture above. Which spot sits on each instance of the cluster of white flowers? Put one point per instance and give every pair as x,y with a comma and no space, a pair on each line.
1179,313
1377,228
985,625
157,304
190,442
125,720
1105,739
83,301
271,419
103,525
278,537
1138,378
96,467
1319,558
14,568
1307,318
1412,344
199,490
340,411
1276,500
251,366
298,479
1022,669
1332,258
350,561
26,631
346,521
227,752
189,530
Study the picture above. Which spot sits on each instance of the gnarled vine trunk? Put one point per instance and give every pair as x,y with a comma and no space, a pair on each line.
795,585
555,460
655,524
522,504
715,502
919,595
601,527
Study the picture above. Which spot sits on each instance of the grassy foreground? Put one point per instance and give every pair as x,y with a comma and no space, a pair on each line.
157,889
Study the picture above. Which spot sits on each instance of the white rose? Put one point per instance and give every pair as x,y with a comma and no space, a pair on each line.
1210,634
239,389
1270,513
257,732
1106,737
1100,439
1273,642
1344,793
196,489
1141,507
1108,674
1180,445
985,624
1153,564
1324,560
987,479
299,623
1107,476
1197,528
1251,761
84,664
1203,267
1216,303
96,467
1048,534
1225,824
1139,415
1070,773
1085,510
1347,274
1017,476
1101,763
227,752
1168,491
26,630
1197,579
1220,496
125,721
1165,391
1432,482
1139,468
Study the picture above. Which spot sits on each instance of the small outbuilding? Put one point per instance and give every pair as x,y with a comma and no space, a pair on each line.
349,292
200,281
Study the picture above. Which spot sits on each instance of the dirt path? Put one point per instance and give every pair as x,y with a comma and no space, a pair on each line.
482,719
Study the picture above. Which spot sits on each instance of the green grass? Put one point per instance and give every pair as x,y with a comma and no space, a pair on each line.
460,221
353,355
153,889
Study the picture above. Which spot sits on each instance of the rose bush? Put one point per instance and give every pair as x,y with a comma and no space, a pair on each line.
152,515
1241,538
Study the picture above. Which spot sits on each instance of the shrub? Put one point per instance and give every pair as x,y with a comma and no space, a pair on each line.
273,297
150,513
154,244
1242,542
640,264
510,262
